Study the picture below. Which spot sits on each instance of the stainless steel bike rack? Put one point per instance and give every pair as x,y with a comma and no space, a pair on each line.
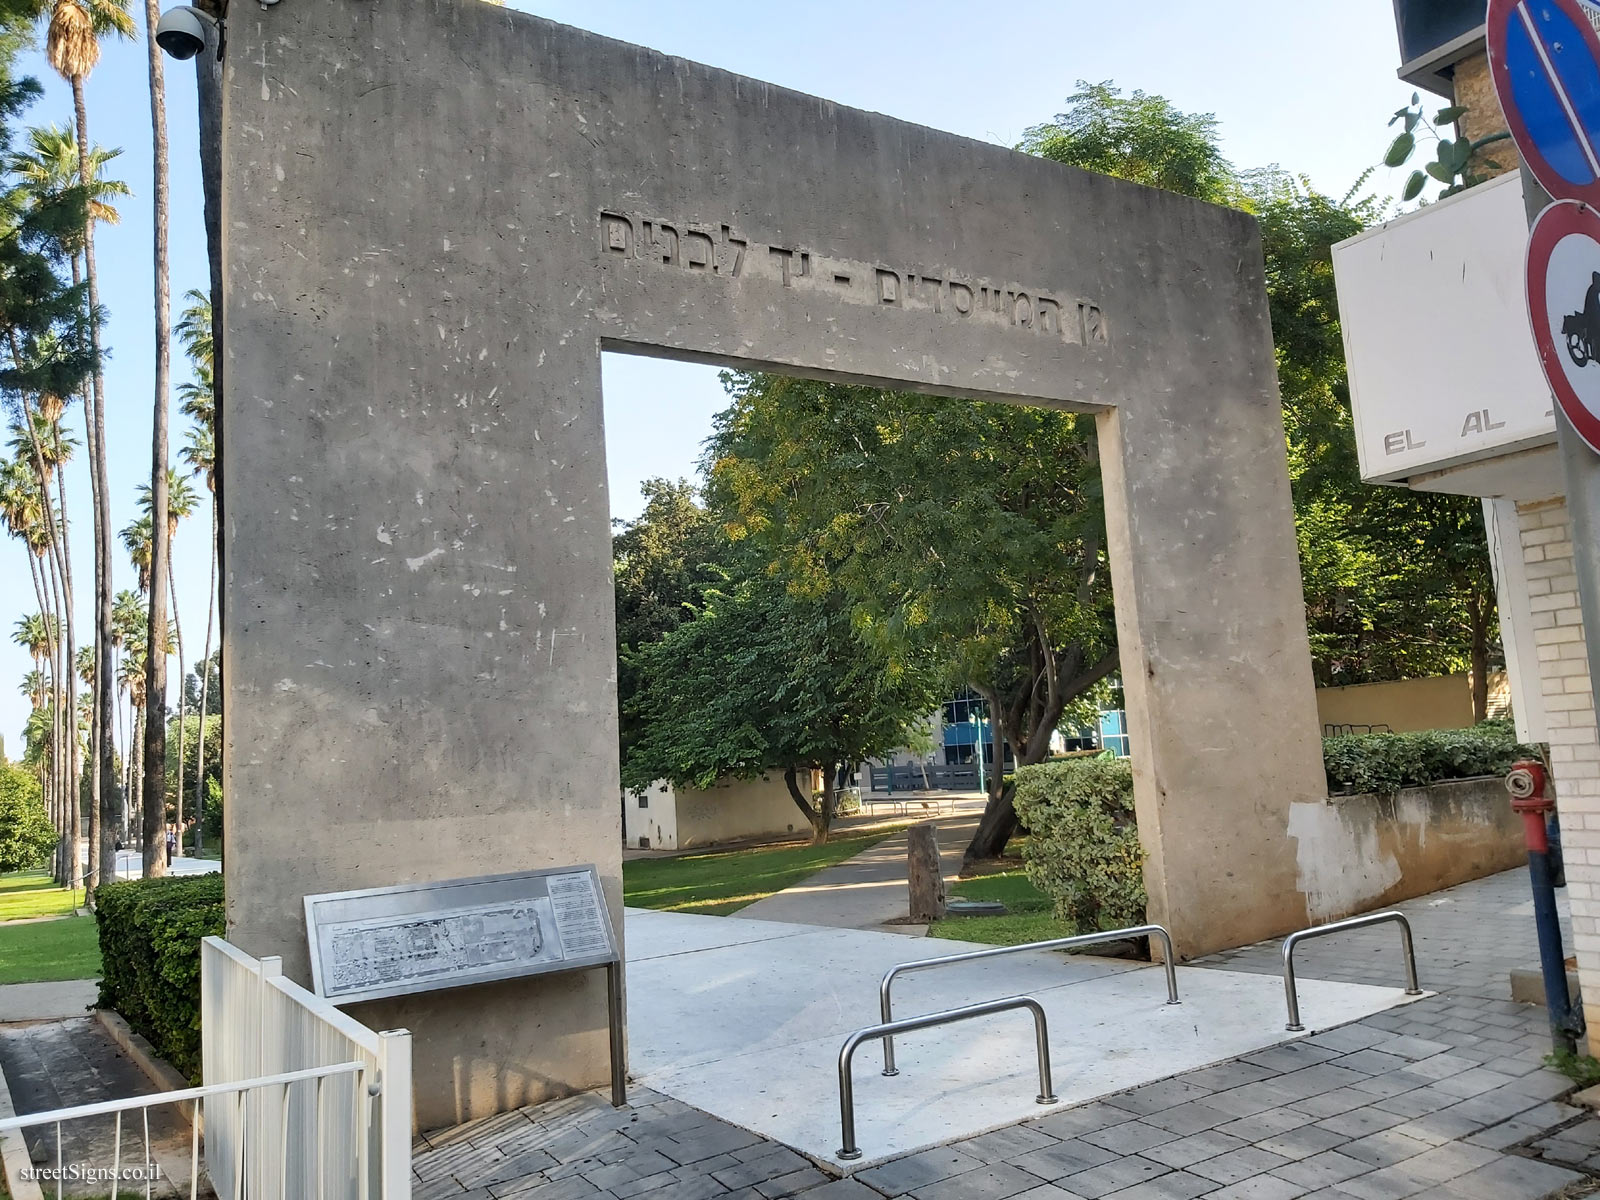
847,1095
886,1010
1291,996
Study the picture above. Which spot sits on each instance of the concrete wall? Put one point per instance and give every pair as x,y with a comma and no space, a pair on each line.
734,809
738,808
1440,702
436,214
1361,852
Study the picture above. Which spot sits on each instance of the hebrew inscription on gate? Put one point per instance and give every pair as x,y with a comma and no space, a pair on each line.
723,252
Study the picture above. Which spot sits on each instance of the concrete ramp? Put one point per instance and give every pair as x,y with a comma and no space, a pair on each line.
744,1019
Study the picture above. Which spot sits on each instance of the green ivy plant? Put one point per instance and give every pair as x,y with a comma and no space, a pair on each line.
1452,156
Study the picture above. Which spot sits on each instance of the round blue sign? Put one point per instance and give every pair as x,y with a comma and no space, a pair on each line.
1544,56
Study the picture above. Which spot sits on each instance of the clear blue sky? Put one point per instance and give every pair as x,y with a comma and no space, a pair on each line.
1308,86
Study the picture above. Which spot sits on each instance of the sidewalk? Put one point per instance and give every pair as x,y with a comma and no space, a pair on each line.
1445,1099
869,890
65,1063
47,1001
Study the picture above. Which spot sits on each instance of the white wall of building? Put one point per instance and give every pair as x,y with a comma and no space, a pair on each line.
652,814
1513,596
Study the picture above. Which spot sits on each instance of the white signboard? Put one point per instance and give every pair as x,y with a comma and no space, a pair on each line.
1443,370
415,938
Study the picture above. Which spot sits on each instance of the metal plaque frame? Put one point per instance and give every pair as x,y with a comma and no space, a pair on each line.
384,915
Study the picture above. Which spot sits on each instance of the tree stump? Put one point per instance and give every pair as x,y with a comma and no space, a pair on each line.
924,874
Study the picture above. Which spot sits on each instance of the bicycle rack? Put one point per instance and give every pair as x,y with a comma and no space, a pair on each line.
1291,996
847,1102
886,1009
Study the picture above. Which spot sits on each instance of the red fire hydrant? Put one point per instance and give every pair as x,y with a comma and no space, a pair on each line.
1530,797
1529,788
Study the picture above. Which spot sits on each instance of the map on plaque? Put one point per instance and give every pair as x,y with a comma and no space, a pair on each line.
393,941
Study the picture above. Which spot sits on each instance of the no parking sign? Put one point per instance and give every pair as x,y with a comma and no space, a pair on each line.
1544,57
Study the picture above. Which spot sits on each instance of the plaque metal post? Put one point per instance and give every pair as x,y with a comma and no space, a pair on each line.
614,1014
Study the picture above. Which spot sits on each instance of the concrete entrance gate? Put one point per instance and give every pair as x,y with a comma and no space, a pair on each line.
436,215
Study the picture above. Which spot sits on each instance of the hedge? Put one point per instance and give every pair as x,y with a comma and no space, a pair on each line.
1083,846
150,931
1387,762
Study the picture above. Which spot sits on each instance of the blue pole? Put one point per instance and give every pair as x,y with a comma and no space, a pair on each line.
1527,784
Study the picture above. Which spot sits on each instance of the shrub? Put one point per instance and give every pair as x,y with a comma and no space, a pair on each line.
26,835
1387,762
150,931
1083,846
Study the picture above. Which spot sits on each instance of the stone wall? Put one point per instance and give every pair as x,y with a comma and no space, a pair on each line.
1570,720
1361,852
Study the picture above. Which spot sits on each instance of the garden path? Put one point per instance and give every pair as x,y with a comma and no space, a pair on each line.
869,890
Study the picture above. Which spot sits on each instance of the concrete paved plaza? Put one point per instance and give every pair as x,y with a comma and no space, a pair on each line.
1443,1098
744,1020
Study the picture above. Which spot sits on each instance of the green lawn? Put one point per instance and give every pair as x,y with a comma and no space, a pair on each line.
721,882
32,894
49,950
1028,917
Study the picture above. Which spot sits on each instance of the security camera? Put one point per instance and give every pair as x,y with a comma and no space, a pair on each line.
181,32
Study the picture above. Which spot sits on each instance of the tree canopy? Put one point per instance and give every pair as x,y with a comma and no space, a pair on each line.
749,674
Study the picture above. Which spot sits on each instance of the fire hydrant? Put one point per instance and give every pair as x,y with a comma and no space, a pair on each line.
1530,797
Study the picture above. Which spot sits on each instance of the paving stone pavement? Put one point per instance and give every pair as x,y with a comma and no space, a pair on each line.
1443,1098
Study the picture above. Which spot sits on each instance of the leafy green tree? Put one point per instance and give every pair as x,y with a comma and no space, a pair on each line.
967,533
190,741
1142,138
1397,583
210,699
763,678
662,562
26,835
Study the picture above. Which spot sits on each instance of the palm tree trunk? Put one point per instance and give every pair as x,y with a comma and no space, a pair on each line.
205,691
102,525
41,591
155,713
136,773
183,699
57,722
74,759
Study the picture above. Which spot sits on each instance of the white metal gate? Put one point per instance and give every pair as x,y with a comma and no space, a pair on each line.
300,1102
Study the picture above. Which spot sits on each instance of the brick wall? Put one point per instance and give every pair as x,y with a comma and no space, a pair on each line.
1569,710
1475,92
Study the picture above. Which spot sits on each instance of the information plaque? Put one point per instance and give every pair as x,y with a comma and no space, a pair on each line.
394,941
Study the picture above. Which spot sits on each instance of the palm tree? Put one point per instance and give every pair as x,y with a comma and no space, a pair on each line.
37,441
24,506
136,539
127,621
48,169
155,862
131,677
181,502
198,402
39,634
73,47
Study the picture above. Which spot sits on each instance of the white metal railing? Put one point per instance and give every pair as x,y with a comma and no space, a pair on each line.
300,1100
347,1137
235,1095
